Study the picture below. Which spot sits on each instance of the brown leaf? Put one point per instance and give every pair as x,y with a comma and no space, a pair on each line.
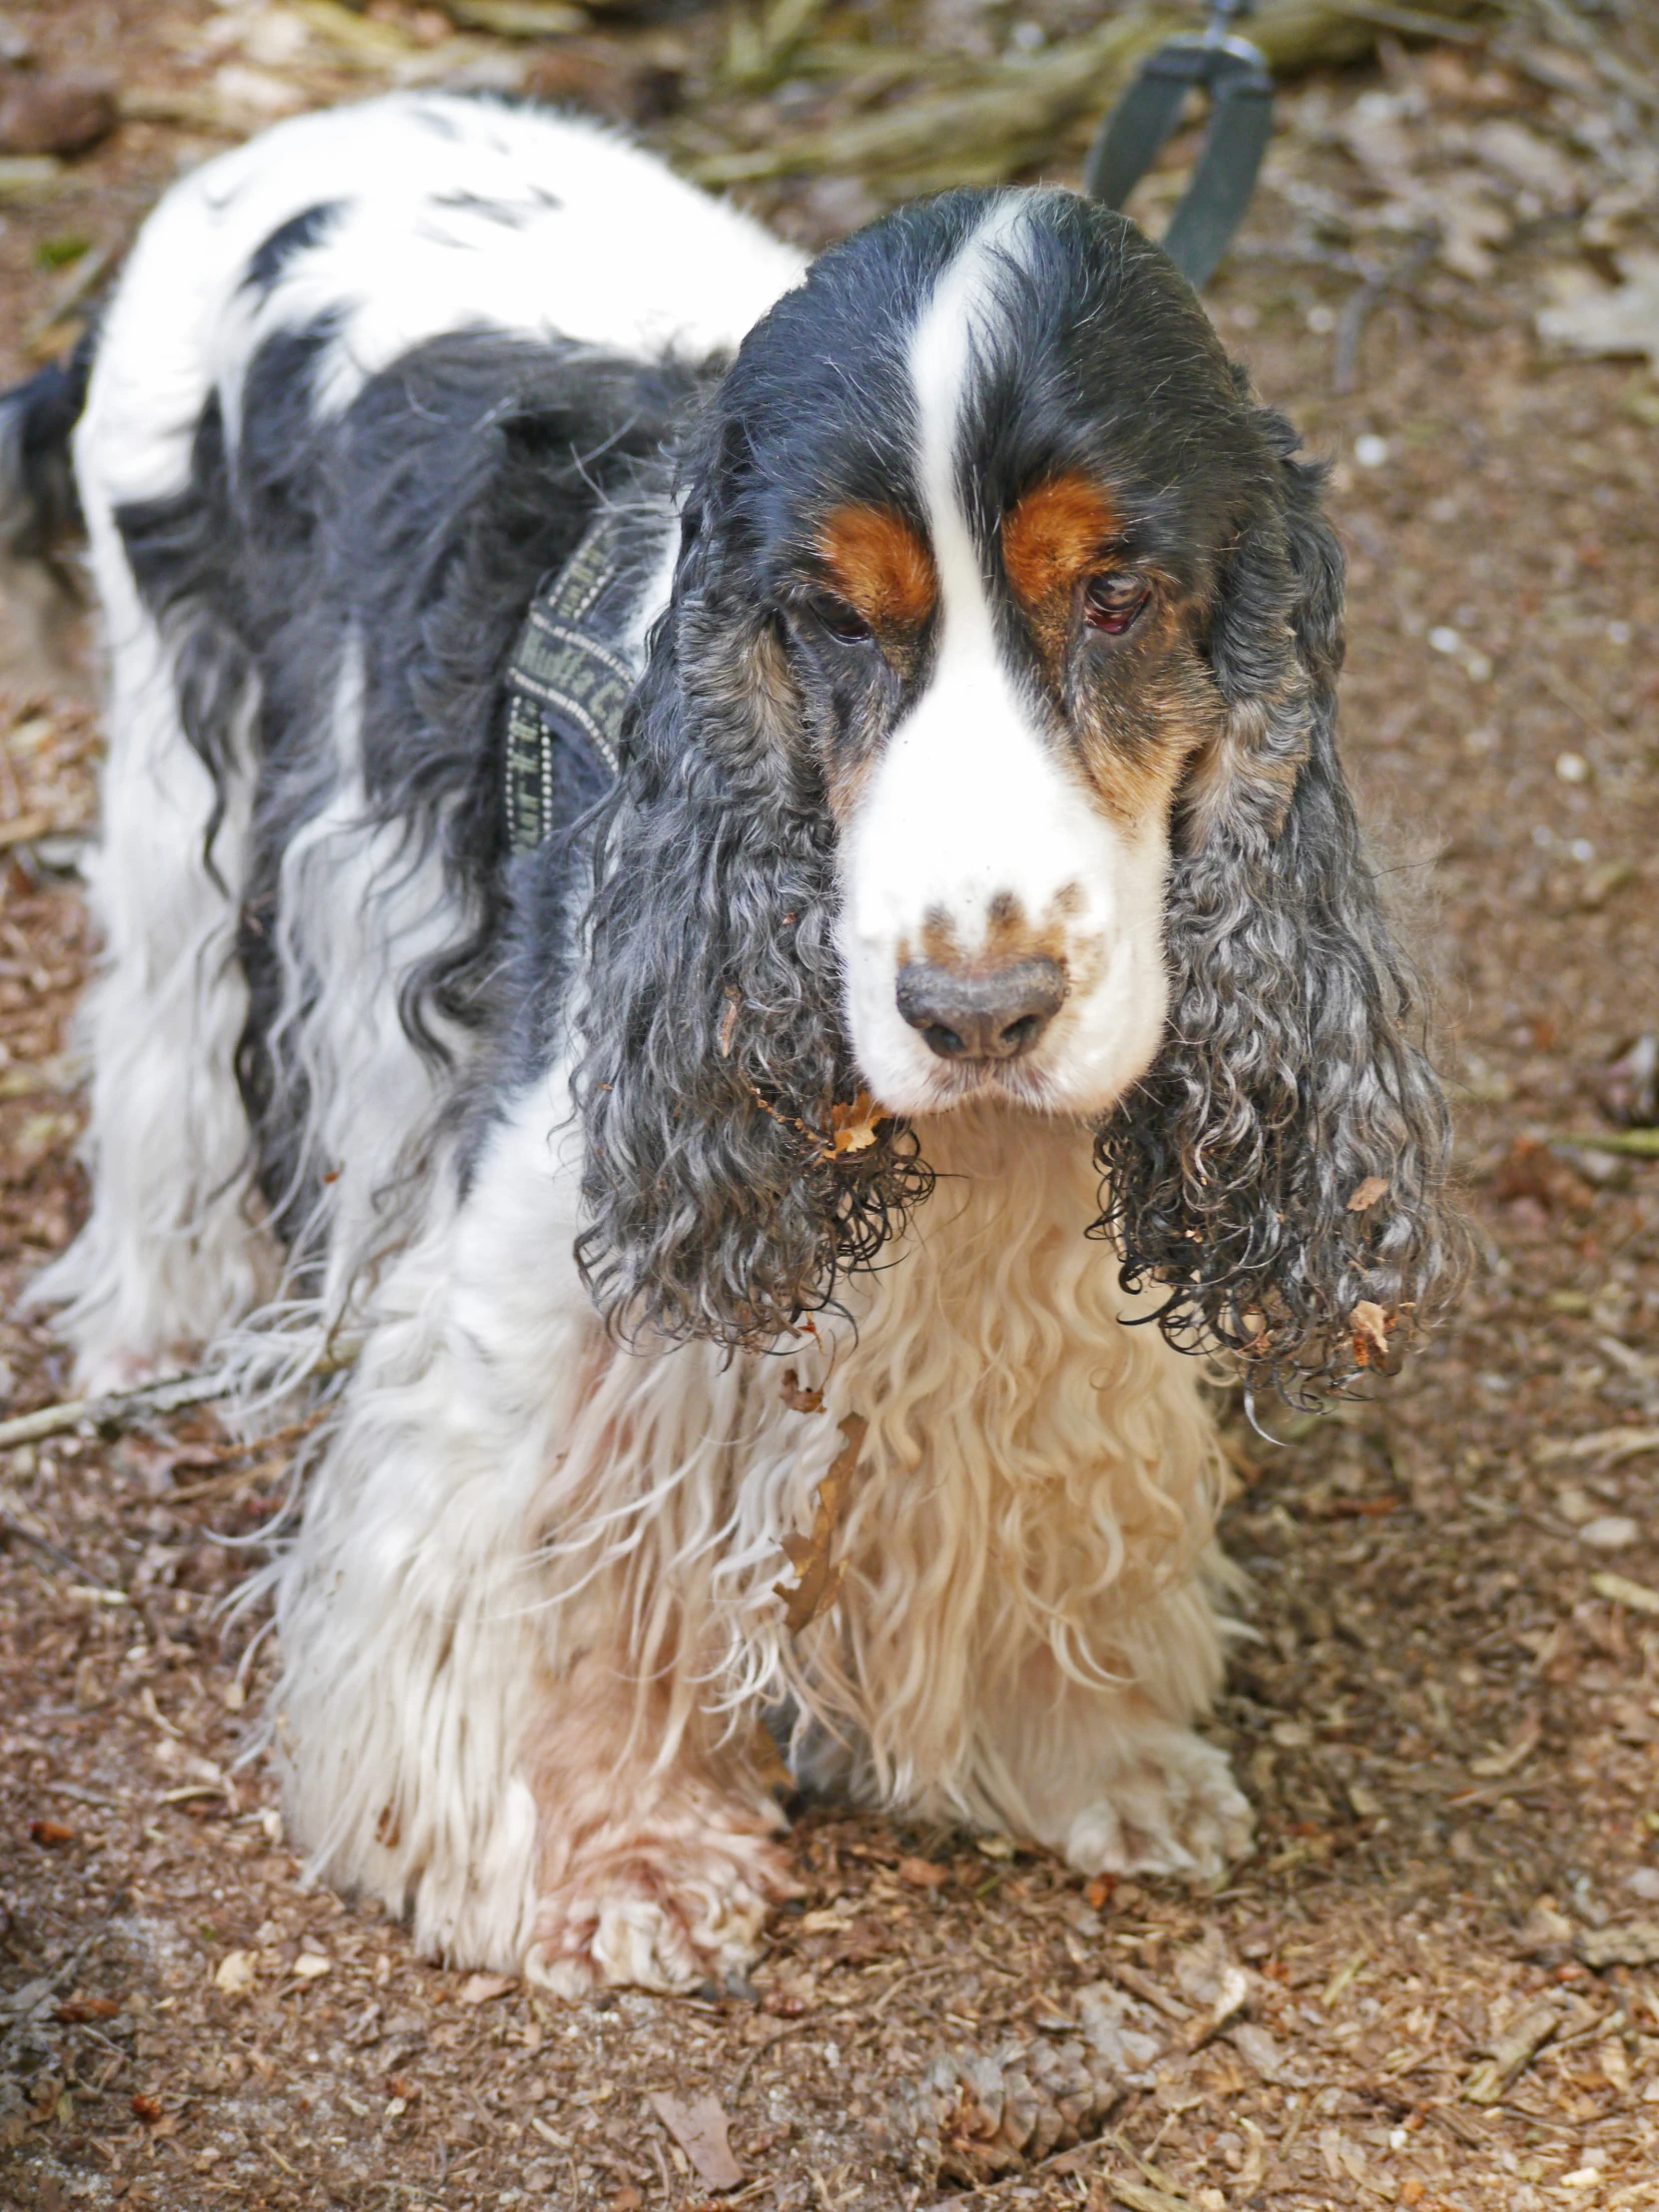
147,2108
819,1583
921,1874
1367,1193
798,1400
75,2009
51,1832
854,1128
698,2127
729,1024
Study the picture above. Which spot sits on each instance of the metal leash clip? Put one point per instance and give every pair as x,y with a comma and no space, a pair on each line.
1235,75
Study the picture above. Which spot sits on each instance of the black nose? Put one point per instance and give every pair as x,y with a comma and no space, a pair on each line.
994,1016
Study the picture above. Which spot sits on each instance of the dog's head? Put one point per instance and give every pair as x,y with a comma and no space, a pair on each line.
986,750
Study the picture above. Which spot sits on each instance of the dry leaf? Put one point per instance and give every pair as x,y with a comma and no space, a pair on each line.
1371,1334
236,1973
854,1127
310,1965
921,1874
798,1400
1366,1196
819,1583
478,1988
698,2125
729,1024
1616,323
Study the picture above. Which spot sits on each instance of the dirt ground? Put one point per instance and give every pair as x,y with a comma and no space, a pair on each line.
1435,1982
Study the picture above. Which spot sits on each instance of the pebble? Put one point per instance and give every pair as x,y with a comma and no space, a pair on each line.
1609,1532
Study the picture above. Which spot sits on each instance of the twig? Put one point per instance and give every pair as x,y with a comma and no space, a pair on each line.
10,1527
1635,1144
26,2002
1356,313
741,2077
1412,22
114,1410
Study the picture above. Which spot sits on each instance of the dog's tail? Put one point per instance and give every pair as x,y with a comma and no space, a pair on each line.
39,509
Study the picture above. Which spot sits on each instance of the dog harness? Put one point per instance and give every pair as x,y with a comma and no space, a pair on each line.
567,685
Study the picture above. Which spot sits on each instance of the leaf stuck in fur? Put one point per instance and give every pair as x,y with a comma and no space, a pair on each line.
1367,1193
1371,1334
819,1581
796,1397
854,1128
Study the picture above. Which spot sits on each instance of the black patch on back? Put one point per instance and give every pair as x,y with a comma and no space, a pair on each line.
415,527
285,244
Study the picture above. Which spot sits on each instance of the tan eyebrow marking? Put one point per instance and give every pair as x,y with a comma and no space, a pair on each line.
1054,535
881,566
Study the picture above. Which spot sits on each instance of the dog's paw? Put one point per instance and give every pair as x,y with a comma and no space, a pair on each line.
1171,1808
659,1920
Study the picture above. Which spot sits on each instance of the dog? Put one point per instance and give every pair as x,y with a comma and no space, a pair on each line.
743,1121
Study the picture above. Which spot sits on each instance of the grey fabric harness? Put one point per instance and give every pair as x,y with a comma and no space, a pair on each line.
567,686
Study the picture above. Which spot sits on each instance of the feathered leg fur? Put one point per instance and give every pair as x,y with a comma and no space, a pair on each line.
531,1622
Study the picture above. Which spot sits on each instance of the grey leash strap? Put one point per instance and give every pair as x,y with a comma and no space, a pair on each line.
1235,76
567,686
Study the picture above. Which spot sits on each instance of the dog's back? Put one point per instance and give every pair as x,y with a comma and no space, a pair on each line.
361,386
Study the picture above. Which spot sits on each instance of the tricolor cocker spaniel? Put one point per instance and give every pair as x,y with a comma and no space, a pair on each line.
749,1223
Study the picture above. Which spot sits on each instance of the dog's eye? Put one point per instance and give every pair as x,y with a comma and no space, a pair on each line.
843,623
1113,601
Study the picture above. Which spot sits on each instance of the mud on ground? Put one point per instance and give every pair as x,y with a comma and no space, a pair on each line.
1435,1982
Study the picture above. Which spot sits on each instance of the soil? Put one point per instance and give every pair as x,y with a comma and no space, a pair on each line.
1435,1981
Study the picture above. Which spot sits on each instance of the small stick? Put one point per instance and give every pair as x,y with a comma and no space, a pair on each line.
10,1527
114,1409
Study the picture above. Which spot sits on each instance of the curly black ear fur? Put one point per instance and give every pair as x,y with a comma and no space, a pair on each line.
1292,1075
714,1053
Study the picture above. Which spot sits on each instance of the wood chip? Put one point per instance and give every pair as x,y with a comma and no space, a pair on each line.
1513,2055
236,1973
1636,1944
699,2126
1621,1591
1516,1754
478,1988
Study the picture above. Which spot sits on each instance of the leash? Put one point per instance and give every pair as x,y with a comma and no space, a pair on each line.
1235,75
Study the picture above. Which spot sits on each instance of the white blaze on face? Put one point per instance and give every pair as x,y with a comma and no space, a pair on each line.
970,803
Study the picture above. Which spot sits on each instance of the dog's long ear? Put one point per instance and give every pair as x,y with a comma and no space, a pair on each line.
733,1173
1281,1170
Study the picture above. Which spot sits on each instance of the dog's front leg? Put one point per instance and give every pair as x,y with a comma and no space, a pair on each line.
659,1857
